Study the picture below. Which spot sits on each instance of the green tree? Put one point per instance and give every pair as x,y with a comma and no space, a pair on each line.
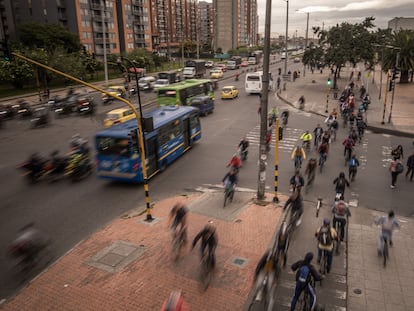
313,56
48,36
17,72
403,41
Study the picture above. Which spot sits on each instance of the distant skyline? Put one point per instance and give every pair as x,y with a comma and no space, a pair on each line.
336,12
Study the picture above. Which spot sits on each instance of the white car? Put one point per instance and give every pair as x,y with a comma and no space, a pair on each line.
160,83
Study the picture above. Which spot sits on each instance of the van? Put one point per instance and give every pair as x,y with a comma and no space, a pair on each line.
146,83
204,103
254,82
117,116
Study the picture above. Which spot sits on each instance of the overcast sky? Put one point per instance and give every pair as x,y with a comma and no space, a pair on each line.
330,13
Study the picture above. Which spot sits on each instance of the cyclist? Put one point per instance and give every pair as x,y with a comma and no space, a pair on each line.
318,132
230,179
323,152
285,117
341,212
354,135
178,217
348,144
305,270
175,303
266,265
244,147
296,182
334,128
340,183
326,137
306,138
209,239
296,206
301,102
310,170
353,164
352,119
235,162
361,125
298,155
326,236
388,224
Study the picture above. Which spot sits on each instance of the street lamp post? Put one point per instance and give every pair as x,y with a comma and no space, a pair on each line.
393,89
286,36
140,139
306,39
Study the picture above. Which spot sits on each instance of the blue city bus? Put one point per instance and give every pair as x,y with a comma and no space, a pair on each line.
169,132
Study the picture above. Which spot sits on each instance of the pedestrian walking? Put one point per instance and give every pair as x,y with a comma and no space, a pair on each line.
410,167
395,168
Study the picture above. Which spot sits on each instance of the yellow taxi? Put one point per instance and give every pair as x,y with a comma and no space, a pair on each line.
216,73
117,116
116,90
229,92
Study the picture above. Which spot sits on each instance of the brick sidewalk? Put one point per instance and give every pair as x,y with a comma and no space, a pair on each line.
143,284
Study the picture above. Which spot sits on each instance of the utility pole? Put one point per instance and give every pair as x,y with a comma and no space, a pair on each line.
104,41
397,60
263,105
286,36
306,39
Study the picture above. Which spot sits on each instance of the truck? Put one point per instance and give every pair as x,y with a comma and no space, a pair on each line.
234,62
194,69
171,76
254,58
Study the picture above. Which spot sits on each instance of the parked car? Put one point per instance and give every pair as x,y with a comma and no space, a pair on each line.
117,116
216,73
160,83
229,92
204,103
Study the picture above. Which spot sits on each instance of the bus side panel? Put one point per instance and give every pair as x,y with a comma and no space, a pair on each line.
120,168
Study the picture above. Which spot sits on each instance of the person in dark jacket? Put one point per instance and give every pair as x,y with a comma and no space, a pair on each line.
209,239
410,167
303,281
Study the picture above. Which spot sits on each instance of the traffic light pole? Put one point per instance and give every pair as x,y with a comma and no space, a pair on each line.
277,137
393,89
385,99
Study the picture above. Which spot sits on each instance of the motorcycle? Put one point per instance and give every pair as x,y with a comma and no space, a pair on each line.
24,110
35,168
85,106
78,167
40,119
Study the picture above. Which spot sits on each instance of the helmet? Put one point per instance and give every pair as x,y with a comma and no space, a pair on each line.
326,221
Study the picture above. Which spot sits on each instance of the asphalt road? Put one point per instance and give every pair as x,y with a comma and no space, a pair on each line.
70,212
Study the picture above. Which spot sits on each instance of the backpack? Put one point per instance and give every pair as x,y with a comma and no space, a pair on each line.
352,163
340,183
341,209
348,143
303,275
325,236
399,168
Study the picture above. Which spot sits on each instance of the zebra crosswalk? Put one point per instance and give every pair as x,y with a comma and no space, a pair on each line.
291,138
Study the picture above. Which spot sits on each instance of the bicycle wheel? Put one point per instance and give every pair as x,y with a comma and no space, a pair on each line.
385,251
226,197
323,264
338,242
321,163
206,267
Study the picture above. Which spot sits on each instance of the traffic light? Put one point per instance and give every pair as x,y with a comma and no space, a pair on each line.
280,133
395,73
328,82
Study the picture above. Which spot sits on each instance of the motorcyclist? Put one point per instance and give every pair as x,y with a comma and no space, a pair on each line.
27,245
79,145
244,147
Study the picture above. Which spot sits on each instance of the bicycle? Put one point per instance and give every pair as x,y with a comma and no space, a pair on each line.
304,303
324,262
297,163
318,206
228,193
338,228
322,160
263,287
307,145
348,154
206,270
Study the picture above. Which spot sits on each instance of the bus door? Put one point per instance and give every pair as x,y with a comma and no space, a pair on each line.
152,155
186,133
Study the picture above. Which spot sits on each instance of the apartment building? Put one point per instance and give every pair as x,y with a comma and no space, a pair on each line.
206,22
401,23
116,25
235,24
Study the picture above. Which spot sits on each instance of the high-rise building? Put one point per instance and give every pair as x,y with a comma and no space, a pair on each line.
206,22
401,23
118,25
235,24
